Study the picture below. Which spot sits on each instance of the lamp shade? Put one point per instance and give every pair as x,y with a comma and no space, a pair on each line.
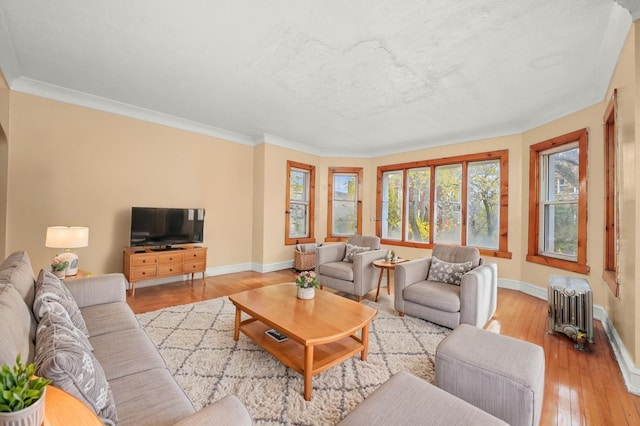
67,237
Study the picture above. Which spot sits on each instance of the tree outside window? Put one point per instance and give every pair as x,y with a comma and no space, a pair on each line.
459,200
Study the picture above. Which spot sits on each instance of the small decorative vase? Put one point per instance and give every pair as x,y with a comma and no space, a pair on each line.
33,415
60,274
306,293
387,256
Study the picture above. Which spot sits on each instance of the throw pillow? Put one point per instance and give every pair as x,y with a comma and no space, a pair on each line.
53,295
447,272
352,250
63,358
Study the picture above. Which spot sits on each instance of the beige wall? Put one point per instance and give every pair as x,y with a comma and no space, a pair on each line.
76,166
70,165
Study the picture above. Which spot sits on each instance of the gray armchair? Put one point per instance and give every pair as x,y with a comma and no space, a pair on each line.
357,278
472,302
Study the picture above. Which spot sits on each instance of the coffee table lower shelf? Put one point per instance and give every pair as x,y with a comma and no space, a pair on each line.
295,355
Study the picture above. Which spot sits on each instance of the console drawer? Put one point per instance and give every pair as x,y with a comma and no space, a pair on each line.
170,258
197,266
169,269
144,260
143,273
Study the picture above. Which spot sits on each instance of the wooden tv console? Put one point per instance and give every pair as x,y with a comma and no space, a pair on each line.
145,263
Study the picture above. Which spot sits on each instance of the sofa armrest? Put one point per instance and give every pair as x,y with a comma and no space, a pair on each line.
330,253
479,294
228,411
98,289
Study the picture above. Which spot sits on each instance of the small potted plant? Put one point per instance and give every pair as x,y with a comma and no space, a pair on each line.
307,282
21,395
59,267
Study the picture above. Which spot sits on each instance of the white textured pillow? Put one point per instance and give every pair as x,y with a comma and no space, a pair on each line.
447,272
64,357
352,250
53,295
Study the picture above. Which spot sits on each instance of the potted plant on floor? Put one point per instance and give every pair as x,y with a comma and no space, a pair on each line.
307,284
21,395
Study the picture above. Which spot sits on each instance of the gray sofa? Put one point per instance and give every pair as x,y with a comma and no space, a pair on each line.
139,383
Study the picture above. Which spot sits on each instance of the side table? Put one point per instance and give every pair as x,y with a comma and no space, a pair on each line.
388,266
63,409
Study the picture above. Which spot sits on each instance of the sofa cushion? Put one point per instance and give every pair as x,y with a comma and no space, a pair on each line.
17,325
108,318
448,272
71,366
16,269
352,250
126,352
150,398
436,295
51,294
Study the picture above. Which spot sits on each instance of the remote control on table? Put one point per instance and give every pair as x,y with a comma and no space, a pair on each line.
275,335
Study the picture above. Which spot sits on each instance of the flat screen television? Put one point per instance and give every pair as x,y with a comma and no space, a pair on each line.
164,227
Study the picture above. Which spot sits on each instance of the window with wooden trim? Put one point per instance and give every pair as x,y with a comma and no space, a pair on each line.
344,212
558,202
611,231
457,200
299,207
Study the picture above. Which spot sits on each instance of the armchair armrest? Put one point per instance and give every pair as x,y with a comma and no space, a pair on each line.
365,275
479,295
228,411
330,253
408,273
98,289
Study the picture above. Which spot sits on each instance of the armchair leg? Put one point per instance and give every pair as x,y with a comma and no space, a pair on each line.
401,314
359,299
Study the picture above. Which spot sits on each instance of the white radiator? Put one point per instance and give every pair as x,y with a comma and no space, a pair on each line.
571,308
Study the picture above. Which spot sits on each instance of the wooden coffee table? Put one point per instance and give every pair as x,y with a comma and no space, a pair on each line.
321,332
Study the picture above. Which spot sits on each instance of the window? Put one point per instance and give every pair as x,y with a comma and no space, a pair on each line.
612,233
299,208
345,203
459,200
558,202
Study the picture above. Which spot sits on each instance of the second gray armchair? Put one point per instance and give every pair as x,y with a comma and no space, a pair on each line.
348,267
452,287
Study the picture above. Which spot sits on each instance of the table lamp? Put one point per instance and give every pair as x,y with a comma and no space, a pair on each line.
68,237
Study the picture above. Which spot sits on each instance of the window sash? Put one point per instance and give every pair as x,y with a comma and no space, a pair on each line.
344,220
299,204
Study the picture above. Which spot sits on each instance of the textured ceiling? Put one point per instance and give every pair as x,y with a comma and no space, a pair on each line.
348,78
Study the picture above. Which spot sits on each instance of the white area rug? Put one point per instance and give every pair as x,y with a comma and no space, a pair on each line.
196,340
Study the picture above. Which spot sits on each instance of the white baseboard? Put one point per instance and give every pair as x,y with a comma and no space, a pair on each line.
630,373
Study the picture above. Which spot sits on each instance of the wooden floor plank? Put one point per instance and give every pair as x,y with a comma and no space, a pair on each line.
581,388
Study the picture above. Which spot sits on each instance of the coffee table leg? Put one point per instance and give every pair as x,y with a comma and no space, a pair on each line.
379,281
365,342
236,330
308,370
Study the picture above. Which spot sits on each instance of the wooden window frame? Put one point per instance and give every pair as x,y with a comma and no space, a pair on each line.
534,254
343,170
501,155
310,211
611,230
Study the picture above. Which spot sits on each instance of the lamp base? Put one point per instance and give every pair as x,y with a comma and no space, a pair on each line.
72,258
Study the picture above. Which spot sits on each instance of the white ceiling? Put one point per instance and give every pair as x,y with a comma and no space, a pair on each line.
332,77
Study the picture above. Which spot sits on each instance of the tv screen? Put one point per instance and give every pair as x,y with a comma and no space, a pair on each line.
155,226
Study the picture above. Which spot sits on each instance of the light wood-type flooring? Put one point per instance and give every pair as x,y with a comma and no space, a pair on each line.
581,388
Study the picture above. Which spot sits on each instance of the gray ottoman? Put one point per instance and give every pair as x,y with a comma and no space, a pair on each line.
498,374
406,399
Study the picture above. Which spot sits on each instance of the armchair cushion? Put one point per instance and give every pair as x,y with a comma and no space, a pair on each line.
339,270
352,250
448,272
440,296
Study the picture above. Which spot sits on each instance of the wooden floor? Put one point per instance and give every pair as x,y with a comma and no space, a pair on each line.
581,388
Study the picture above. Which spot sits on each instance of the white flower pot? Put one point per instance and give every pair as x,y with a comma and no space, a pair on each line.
306,293
60,274
30,416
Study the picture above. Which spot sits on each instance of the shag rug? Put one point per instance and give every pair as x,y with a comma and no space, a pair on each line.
196,341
